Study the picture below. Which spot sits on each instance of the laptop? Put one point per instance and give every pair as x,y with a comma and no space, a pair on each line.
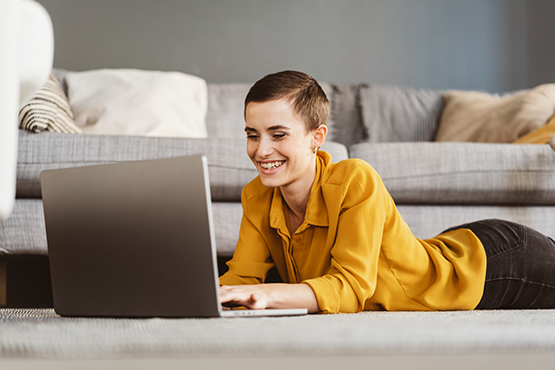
135,239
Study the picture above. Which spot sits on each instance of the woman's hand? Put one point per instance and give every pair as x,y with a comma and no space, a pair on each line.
261,296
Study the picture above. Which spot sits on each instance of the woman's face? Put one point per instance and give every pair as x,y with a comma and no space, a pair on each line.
279,145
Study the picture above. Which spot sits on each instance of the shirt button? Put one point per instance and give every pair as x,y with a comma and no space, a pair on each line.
297,239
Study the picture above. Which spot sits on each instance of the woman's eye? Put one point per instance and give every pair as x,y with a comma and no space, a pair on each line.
252,137
279,136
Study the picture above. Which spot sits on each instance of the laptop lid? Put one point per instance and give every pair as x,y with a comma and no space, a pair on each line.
132,239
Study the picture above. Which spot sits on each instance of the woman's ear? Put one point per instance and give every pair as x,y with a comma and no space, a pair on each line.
320,136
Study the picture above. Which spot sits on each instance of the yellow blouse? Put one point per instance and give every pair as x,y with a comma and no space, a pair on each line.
354,249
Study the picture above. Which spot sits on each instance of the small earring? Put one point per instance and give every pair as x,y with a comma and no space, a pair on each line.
315,150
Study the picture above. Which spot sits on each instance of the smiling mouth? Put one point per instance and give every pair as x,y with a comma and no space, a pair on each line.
271,165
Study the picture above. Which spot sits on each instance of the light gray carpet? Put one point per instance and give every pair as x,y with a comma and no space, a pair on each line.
43,334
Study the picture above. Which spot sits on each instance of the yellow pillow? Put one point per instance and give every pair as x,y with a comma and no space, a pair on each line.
541,135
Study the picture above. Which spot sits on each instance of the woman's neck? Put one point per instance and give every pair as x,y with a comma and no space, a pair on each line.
297,203
296,213
296,197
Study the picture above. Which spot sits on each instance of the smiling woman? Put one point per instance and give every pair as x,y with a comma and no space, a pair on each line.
335,236
281,147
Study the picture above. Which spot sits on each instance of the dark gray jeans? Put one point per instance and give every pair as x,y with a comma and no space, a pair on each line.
520,265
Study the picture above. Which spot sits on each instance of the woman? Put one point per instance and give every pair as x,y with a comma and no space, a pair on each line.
337,239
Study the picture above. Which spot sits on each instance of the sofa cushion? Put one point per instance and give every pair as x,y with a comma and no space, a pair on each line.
229,166
394,114
138,102
481,117
225,118
346,121
463,173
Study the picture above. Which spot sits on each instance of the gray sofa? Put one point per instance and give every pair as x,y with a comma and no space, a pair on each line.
435,185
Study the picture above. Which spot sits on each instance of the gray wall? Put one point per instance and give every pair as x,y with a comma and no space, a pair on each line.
448,44
541,42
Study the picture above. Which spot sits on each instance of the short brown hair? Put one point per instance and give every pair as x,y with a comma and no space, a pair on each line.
307,96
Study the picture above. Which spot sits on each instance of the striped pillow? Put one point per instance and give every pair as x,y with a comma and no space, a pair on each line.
48,110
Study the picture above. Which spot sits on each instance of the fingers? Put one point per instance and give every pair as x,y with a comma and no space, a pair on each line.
243,295
234,296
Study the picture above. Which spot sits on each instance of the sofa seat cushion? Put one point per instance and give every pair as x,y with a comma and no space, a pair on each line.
229,166
463,173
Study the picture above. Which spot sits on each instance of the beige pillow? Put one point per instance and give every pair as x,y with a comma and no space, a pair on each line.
138,102
480,117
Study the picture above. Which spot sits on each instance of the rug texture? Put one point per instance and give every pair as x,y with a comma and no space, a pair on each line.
40,333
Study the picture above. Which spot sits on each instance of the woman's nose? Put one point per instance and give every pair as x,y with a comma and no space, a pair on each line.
265,148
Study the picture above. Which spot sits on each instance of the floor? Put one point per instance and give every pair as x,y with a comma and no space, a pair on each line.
412,362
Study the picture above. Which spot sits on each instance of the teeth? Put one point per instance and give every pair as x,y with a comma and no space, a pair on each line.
272,165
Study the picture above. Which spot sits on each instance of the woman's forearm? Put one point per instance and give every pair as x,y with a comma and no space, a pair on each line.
294,296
